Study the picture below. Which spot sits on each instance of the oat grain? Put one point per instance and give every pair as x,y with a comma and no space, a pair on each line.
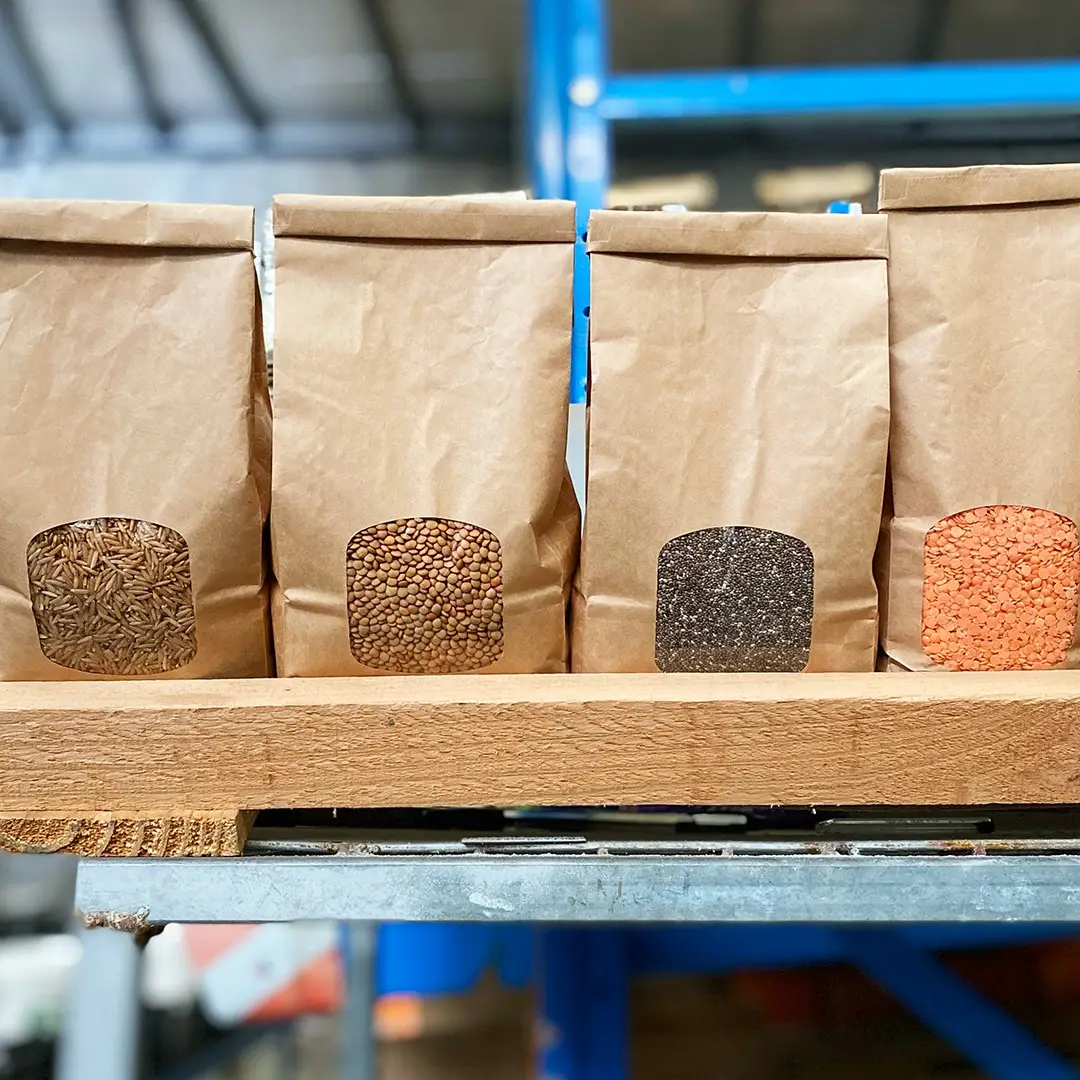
113,596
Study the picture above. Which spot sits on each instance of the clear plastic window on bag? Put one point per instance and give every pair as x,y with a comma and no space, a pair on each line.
425,596
113,596
734,599
1000,588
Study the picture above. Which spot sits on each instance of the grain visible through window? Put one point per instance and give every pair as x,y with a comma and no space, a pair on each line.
425,596
734,599
113,596
1000,589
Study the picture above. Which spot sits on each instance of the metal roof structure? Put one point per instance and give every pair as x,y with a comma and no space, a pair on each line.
113,78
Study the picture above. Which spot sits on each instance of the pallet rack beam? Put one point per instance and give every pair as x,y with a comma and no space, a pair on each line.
584,888
838,92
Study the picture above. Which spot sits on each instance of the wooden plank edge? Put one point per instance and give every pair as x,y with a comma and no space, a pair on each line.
490,691
503,740
104,834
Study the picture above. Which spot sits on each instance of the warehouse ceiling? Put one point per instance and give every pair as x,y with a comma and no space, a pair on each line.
108,77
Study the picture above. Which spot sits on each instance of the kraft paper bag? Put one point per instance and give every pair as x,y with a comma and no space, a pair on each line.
739,418
984,304
135,440
423,520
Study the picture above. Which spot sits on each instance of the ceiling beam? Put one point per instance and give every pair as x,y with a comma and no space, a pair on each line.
748,34
10,124
29,78
930,29
204,29
152,105
377,17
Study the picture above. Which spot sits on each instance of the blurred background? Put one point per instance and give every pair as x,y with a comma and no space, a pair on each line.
235,100
709,104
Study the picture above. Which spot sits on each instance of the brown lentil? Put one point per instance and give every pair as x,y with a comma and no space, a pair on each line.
113,596
734,599
1000,589
425,596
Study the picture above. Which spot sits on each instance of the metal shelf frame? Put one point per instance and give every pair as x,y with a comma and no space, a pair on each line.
586,895
574,98
590,887
573,101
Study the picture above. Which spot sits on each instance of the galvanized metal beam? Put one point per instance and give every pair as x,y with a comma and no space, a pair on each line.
377,16
152,105
203,28
19,62
584,888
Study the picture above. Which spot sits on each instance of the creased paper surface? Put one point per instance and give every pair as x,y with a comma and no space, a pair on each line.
132,384
416,378
985,320
733,392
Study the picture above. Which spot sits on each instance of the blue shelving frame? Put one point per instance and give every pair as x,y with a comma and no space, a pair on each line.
573,100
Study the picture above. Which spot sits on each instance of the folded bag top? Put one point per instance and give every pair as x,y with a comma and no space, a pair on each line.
749,236
480,220
128,224
976,186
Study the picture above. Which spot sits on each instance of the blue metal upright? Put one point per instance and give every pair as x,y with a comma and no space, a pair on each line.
547,99
588,156
584,1004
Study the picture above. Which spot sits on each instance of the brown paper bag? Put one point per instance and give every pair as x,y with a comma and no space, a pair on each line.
984,319
738,433
423,521
135,440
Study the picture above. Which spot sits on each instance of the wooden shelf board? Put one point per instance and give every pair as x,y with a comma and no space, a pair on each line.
172,748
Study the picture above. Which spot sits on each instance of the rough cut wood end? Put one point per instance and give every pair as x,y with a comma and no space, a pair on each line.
200,832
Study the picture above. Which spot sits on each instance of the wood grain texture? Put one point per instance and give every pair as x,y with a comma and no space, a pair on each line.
172,748
106,834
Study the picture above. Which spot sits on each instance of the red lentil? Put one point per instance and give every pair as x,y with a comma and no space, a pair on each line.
1000,589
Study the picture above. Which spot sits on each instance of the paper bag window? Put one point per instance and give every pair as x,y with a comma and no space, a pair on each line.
1000,589
113,596
425,596
734,599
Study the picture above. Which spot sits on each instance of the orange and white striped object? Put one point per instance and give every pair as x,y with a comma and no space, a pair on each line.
252,974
